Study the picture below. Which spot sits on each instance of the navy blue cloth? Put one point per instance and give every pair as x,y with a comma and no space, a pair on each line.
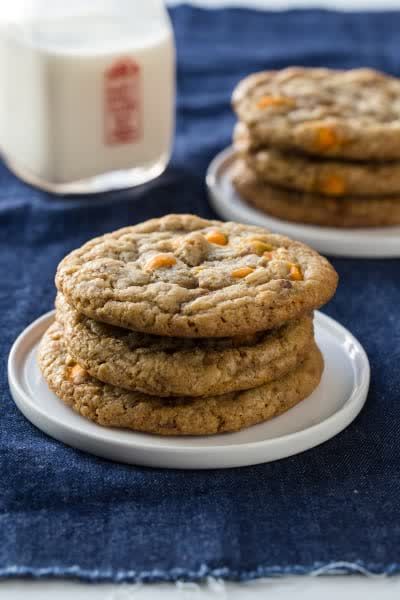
66,513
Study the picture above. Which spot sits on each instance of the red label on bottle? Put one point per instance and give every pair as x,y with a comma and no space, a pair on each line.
122,106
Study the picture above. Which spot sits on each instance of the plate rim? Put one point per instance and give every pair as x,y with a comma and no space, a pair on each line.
355,401
223,159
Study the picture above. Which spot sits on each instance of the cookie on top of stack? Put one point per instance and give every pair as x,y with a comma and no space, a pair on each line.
320,146
182,326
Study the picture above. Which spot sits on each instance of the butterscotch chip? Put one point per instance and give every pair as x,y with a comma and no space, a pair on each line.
295,273
314,209
77,374
115,407
332,185
108,279
260,247
161,261
325,137
242,272
326,176
348,114
168,366
217,237
273,101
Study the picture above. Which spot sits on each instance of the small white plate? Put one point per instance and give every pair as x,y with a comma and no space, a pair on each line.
333,405
376,242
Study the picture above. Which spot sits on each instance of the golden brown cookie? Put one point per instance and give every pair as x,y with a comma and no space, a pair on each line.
114,407
347,114
167,366
314,209
327,177
183,276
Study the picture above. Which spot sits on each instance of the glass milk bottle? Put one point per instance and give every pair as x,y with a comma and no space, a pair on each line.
87,92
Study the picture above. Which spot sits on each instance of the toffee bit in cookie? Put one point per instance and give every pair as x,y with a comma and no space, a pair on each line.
269,101
295,273
325,138
242,272
161,261
332,185
217,237
77,374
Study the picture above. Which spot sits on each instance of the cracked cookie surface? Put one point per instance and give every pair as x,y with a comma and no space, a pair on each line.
168,366
115,407
183,276
315,209
346,114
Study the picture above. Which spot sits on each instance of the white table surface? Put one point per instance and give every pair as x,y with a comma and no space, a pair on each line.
286,588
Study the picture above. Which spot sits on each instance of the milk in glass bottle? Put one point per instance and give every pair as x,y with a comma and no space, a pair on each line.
87,92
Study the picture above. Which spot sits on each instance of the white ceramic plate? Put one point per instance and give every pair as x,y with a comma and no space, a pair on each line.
333,405
379,242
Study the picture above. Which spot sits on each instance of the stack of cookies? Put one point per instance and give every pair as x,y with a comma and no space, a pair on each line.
320,146
182,326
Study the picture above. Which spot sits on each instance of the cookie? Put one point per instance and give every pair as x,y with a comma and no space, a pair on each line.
114,407
320,176
314,209
347,114
167,366
183,276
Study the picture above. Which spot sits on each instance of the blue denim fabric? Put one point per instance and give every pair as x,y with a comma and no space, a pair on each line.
65,513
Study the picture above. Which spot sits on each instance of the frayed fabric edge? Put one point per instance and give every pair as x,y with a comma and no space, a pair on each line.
202,574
